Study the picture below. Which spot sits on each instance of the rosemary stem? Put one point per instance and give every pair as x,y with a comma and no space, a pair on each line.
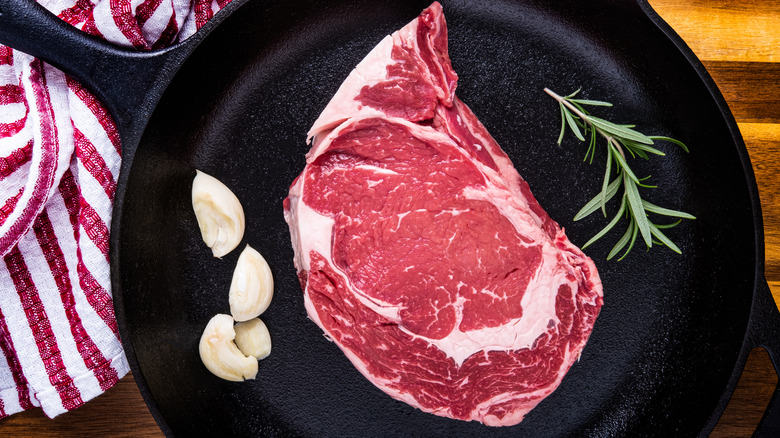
586,119
565,102
620,139
553,94
611,141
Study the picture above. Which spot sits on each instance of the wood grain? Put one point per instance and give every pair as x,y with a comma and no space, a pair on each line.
726,30
752,89
739,43
763,143
750,398
119,412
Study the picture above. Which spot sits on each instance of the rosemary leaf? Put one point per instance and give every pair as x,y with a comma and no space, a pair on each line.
578,106
631,151
563,124
590,102
592,146
642,147
637,210
573,126
665,211
641,154
623,164
619,131
595,203
605,184
665,226
665,240
634,233
622,242
609,226
588,151
670,140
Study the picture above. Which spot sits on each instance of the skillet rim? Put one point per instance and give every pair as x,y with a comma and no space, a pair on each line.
650,14
759,279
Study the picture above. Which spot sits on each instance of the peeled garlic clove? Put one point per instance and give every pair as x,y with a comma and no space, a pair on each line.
253,339
221,355
252,286
219,213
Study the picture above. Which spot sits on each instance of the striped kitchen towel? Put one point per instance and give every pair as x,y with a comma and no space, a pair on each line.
59,161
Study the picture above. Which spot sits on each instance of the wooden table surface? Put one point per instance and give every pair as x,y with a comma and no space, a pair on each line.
739,43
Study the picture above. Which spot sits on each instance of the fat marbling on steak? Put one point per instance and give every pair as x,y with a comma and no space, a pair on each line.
421,251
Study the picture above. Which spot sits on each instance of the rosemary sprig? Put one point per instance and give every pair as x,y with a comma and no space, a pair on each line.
620,138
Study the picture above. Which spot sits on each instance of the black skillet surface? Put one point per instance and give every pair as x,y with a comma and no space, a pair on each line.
673,334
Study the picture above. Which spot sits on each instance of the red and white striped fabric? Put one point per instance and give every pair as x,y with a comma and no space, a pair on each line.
59,161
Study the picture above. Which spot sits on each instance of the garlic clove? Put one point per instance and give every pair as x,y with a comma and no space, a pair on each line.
219,213
220,354
253,339
252,286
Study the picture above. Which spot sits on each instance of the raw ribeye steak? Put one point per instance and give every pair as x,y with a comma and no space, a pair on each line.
421,251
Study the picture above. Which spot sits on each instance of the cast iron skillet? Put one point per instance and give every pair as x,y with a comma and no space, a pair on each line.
236,102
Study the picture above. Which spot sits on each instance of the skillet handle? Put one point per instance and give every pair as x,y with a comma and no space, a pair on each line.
128,82
764,331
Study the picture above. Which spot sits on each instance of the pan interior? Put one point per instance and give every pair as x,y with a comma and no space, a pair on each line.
670,331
